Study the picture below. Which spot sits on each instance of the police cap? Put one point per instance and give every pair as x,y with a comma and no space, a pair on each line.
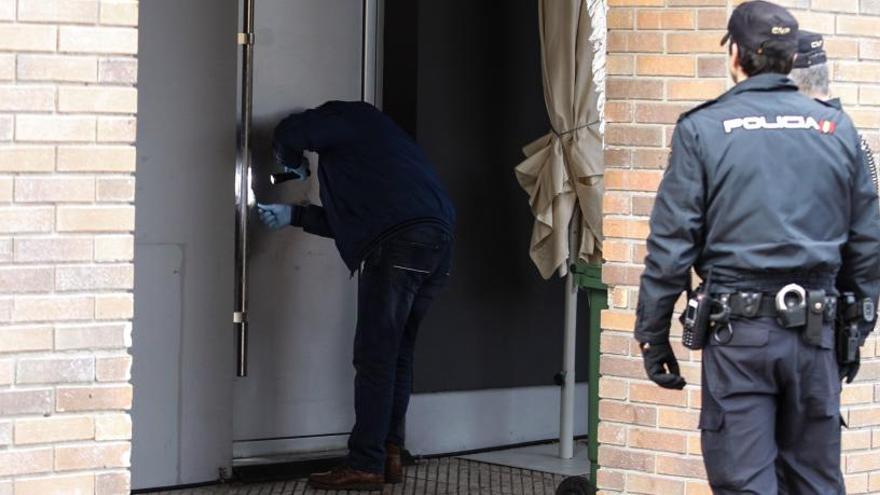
754,23
811,50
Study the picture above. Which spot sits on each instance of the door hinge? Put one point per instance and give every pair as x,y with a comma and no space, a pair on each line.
246,38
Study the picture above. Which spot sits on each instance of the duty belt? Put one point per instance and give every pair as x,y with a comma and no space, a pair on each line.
763,305
793,307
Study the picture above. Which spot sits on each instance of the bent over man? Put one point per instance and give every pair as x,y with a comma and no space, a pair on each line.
767,198
393,222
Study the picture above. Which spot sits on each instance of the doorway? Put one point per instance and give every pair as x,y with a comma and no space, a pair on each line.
464,78
297,396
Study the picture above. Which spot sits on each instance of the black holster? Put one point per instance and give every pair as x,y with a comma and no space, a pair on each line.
847,331
815,317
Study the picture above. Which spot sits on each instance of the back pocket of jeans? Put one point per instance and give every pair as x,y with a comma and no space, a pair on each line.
413,257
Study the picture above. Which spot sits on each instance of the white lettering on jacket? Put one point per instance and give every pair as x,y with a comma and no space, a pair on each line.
781,122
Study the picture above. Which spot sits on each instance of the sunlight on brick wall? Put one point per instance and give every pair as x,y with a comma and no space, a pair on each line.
664,58
67,130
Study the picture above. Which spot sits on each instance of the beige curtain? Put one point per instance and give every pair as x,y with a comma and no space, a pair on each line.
563,170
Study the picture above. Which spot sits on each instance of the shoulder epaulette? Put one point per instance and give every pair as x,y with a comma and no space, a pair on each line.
829,103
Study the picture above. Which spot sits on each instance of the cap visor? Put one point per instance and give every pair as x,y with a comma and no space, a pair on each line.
725,38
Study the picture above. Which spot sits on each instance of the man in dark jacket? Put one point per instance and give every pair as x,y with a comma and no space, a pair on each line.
766,196
393,222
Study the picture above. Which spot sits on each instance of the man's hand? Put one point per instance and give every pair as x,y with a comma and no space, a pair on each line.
276,217
295,164
661,366
849,371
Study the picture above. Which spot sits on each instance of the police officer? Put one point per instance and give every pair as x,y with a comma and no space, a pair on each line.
810,73
766,198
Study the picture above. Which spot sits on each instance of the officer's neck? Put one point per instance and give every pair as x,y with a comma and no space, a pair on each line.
736,72
739,76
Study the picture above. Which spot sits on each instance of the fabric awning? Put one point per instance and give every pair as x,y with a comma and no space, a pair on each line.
564,169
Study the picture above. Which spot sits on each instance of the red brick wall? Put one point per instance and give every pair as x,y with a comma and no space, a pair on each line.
67,129
664,57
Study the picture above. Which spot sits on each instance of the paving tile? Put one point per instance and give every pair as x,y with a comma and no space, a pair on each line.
444,476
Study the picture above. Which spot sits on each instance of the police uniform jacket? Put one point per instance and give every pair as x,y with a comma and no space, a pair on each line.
867,152
764,187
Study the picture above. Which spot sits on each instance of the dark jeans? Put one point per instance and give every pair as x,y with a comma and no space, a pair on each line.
396,285
770,418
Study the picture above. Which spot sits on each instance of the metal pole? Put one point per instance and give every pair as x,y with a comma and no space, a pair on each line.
368,60
243,187
566,422
371,65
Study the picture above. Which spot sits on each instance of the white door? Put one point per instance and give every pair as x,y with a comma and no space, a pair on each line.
298,395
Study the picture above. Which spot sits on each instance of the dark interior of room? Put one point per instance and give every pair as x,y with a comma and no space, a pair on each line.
465,78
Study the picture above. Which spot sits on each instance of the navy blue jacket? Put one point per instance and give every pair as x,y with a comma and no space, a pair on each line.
375,180
866,151
764,187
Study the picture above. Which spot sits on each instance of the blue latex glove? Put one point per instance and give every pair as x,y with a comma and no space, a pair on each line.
276,216
302,169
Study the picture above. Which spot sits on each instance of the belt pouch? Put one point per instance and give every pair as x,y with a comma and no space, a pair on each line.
815,317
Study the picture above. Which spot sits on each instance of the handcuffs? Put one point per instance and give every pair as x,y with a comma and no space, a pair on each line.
722,321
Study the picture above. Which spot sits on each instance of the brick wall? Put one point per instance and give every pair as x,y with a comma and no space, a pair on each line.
664,58
67,129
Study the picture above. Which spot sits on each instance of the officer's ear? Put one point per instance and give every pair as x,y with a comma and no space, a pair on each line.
736,71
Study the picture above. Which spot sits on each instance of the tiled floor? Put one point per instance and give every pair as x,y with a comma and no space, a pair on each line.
445,476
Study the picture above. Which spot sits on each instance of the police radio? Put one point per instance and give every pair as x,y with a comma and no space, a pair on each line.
696,318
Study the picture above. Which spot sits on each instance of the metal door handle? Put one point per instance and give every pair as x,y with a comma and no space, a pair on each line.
243,187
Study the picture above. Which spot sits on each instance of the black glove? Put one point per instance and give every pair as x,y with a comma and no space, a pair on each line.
849,371
661,366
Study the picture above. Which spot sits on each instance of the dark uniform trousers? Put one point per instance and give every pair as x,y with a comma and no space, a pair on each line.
770,415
